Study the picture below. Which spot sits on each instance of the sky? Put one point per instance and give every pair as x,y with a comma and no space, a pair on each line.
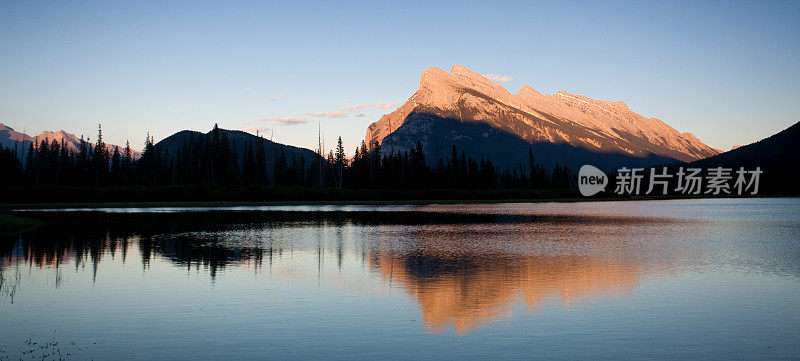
728,71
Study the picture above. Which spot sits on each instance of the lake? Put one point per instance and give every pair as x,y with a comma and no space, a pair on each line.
677,279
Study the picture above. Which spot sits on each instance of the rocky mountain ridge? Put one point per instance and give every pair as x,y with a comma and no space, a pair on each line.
598,126
9,138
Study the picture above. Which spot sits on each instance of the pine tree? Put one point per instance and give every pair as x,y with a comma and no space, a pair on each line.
30,165
340,163
261,162
116,165
42,160
126,161
65,164
100,158
147,162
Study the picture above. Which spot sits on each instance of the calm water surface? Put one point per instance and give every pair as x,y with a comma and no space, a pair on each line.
711,279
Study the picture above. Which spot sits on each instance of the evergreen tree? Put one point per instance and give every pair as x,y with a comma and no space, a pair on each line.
116,166
261,162
82,162
128,158
340,163
148,162
100,158
30,165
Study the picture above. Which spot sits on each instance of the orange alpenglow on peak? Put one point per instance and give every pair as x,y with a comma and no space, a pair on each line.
562,118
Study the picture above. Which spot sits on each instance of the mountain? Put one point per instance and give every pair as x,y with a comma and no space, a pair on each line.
240,140
778,157
10,138
465,109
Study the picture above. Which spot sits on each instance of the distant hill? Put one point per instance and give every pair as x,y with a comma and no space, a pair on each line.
240,140
9,138
778,156
482,118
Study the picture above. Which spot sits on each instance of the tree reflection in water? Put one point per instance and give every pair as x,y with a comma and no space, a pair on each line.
462,270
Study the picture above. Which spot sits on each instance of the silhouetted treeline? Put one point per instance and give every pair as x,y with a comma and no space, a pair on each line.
54,163
212,159
410,170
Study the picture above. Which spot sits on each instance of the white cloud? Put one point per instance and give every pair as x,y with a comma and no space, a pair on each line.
248,89
336,114
256,129
355,108
498,78
285,121
279,97
358,107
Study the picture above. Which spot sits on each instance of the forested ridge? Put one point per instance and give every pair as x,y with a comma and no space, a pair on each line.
212,160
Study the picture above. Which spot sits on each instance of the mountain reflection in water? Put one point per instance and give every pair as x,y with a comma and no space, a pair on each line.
465,293
462,270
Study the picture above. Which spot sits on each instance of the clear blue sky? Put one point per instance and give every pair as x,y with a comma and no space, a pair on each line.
728,71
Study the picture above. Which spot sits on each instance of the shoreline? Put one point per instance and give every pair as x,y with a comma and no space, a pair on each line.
10,207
